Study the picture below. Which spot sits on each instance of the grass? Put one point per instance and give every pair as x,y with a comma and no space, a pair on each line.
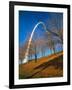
49,66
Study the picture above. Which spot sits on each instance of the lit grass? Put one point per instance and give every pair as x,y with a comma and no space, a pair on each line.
49,66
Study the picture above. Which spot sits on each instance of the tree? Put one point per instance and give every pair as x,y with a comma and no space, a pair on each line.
55,26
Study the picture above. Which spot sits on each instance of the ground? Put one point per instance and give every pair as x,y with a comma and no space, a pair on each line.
48,66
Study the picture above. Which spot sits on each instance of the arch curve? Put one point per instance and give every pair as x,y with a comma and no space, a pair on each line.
30,39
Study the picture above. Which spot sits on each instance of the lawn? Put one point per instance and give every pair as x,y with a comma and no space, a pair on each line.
48,66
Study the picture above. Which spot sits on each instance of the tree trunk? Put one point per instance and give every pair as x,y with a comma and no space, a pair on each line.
54,50
21,61
35,55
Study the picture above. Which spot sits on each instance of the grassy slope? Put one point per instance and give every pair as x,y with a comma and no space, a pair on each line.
50,66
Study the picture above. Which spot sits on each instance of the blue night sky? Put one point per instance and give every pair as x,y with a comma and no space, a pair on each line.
28,19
